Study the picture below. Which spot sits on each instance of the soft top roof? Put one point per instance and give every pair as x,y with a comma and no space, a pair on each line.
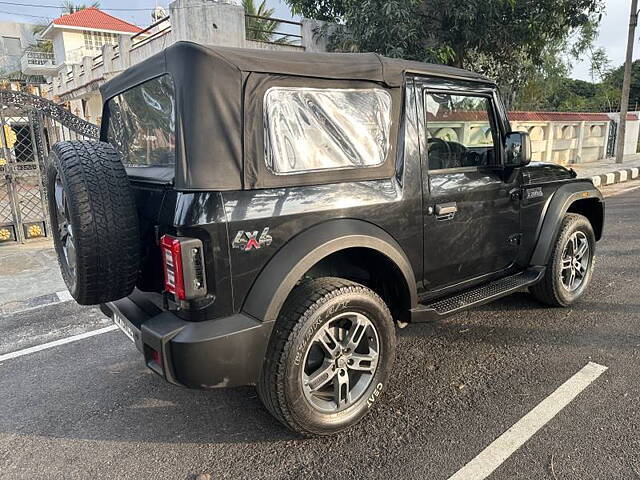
209,84
347,66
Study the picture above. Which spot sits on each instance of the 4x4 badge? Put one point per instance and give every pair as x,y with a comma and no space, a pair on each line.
249,240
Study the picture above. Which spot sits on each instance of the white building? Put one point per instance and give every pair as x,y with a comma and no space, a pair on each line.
75,38
14,38
82,34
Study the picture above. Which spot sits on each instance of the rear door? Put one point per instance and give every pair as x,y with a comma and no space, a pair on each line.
471,204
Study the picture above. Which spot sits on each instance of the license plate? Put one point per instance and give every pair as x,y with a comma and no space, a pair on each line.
124,325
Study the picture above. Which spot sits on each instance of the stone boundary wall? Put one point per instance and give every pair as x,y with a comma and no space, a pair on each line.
572,137
558,137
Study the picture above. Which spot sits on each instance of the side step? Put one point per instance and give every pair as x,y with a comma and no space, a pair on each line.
476,296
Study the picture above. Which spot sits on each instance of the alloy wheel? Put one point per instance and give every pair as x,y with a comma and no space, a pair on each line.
575,261
65,231
340,362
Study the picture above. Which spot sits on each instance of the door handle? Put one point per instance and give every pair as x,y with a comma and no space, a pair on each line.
446,211
446,208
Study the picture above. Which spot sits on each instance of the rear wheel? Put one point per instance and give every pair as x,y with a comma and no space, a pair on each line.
571,266
329,357
94,221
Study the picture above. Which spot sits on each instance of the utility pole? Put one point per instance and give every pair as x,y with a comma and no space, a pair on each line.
626,83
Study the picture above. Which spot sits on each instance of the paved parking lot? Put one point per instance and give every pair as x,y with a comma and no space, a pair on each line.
90,409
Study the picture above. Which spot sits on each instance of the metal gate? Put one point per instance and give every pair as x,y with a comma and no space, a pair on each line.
29,125
611,139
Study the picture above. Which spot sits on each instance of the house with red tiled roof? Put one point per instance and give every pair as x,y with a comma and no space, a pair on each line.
83,33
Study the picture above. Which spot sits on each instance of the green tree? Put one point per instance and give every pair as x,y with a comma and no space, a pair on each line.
599,64
261,29
613,80
506,39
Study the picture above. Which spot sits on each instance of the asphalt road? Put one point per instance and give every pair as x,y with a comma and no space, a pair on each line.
90,409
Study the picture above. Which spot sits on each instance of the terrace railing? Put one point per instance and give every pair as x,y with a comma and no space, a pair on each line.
148,34
272,36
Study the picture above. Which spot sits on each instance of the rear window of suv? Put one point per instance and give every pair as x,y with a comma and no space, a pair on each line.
142,123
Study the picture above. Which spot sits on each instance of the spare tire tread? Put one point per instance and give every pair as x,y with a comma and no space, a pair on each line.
104,220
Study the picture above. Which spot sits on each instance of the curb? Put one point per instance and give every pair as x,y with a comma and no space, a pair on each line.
20,306
617,176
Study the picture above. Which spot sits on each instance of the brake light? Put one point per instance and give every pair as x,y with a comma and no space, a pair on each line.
172,259
183,263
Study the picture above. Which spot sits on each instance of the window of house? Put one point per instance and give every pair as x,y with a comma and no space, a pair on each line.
95,40
312,129
12,46
459,131
88,40
142,123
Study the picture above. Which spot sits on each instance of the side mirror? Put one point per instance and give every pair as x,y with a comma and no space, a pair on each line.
518,149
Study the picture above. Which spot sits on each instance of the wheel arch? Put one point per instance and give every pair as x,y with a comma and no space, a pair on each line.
593,209
578,197
320,246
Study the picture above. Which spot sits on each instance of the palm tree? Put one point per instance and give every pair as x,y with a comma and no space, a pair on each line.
69,7
261,29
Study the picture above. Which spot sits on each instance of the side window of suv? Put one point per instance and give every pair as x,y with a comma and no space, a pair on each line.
314,129
459,131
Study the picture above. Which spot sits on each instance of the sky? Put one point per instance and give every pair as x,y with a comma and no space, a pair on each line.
613,37
613,29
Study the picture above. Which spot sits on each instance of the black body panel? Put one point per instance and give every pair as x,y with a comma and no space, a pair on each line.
483,236
303,251
225,352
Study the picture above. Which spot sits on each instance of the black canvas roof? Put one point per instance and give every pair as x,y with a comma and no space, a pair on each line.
211,107
348,66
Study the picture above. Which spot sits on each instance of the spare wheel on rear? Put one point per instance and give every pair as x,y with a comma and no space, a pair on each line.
93,220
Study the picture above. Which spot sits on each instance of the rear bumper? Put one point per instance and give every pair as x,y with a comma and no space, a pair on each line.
225,352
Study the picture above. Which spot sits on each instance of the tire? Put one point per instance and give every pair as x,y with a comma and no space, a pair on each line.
88,190
313,308
555,288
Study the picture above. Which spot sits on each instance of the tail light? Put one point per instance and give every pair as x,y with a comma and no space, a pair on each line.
183,267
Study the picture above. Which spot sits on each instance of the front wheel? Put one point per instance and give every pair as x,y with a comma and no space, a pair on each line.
330,354
571,266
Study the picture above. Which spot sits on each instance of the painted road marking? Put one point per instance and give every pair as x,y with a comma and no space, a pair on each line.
611,178
623,175
56,343
506,444
64,296
21,306
626,190
634,172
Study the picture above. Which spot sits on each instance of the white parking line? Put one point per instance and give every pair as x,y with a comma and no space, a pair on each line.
55,343
64,296
506,444
620,192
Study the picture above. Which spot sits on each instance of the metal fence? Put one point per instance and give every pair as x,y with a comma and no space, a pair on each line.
29,125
